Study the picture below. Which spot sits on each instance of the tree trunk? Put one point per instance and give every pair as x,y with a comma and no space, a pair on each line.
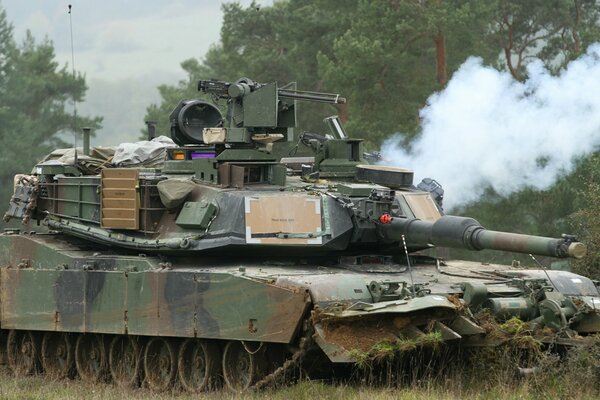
576,37
440,53
440,58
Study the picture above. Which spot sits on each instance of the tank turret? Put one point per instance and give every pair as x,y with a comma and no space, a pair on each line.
224,168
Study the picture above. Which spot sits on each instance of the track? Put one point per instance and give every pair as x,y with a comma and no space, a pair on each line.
158,363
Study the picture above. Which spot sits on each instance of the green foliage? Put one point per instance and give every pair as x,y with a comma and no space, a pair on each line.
386,350
375,54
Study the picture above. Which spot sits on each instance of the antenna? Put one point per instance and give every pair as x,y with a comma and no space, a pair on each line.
543,269
74,77
412,282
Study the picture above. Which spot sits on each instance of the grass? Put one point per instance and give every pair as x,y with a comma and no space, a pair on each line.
387,350
32,388
488,377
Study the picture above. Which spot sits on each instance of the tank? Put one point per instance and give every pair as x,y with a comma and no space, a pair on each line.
209,258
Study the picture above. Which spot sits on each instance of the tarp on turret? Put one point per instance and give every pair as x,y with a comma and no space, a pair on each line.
144,153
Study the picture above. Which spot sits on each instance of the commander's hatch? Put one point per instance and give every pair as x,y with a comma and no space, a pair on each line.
120,202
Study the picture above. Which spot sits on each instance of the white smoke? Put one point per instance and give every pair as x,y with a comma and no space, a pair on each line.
486,129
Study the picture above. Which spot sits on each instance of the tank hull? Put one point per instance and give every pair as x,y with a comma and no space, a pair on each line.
53,288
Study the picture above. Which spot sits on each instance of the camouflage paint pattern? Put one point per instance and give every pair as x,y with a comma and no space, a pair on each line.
46,285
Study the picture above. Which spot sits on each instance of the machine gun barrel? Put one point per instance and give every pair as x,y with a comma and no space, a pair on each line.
227,90
461,232
312,96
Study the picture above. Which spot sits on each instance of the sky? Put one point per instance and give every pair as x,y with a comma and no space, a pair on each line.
115,39
125,49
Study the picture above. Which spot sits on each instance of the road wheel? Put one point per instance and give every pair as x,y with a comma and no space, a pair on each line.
199,364
3,344
90,357
125,361
243,364
160,363
22,352
58,355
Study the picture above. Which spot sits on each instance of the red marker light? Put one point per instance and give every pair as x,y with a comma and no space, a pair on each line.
385,218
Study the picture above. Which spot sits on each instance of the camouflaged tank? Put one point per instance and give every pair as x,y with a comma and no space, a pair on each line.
213,260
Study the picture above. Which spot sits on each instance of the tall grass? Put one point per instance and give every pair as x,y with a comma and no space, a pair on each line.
448,374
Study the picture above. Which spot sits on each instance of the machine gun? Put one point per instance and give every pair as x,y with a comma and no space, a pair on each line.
245,86
252,108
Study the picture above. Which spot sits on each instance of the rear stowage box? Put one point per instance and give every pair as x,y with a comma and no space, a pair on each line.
120,200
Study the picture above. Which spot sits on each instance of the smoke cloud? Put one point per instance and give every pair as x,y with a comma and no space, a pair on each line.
485,129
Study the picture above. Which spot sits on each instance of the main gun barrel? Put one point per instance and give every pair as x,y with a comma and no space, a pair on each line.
467,233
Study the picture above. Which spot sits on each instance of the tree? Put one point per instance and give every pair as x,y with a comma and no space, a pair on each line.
7,47
34,92
552,31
